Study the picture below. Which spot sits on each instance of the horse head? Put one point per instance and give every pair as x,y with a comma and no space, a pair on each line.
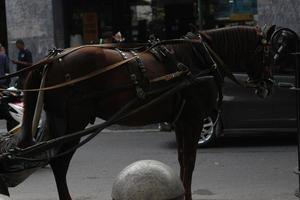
248,48
261,63
280,50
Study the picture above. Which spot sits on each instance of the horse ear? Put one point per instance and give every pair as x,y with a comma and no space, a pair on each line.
269,32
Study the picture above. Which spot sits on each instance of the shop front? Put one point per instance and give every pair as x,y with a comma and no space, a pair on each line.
87,21
174,18
90,21
78,22
220,13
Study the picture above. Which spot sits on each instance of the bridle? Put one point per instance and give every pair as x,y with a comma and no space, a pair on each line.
266,77
279,44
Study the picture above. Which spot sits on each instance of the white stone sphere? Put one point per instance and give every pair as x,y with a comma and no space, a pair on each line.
147,180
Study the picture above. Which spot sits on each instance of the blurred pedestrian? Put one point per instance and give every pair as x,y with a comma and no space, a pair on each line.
108,37
118,37
4,67
24,60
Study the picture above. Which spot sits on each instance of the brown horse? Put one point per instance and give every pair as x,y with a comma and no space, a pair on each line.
70,109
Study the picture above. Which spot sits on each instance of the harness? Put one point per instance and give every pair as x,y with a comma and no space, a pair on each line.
211,56
137,72
264,46
140,82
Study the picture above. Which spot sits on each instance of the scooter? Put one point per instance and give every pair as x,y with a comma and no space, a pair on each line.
11,107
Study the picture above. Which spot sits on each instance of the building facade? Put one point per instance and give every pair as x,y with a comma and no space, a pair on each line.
63,23
280,12
34,22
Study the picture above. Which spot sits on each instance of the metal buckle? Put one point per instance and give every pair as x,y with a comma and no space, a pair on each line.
140,93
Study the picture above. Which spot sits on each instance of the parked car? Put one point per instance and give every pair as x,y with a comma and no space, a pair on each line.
243,112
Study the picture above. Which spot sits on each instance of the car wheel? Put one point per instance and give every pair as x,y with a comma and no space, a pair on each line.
211,129
164,127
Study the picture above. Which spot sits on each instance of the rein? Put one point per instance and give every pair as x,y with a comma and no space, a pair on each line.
225,67
20,154
56,54
59,56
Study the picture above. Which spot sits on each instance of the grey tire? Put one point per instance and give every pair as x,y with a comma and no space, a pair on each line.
212,128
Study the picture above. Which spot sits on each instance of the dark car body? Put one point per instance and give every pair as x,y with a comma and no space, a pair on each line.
244,112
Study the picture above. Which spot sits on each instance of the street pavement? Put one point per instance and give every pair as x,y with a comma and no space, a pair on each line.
244,168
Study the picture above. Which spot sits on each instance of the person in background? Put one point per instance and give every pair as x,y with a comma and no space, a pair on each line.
118,37
24,60
108,37
4,67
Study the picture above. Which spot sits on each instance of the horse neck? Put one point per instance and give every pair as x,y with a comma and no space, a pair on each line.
233,45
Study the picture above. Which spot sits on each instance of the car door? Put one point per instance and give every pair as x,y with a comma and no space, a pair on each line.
284,100
242,109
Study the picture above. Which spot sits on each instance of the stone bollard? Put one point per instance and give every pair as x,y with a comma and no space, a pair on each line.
147,179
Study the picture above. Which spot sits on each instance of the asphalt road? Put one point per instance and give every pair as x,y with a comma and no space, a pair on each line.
257,168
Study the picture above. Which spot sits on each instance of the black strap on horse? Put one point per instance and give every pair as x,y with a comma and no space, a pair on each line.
123,113
225,68
136,72
202,52
213,58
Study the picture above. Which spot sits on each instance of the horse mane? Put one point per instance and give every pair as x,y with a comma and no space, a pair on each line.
234,45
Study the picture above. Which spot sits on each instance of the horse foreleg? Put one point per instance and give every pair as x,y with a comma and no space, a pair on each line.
58,127
60,168
190,139
179,140
77,119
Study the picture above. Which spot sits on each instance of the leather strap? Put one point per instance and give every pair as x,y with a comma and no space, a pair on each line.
42,62
39,104
92,74
48,60
223,65
134,73
80,79
169,77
